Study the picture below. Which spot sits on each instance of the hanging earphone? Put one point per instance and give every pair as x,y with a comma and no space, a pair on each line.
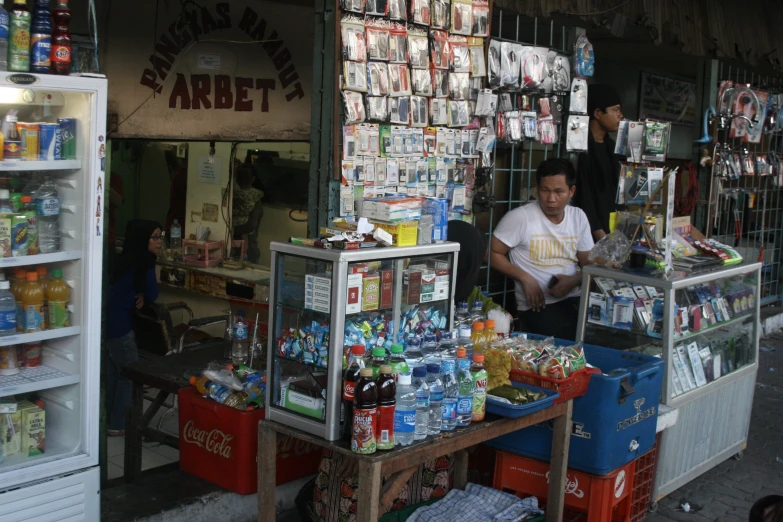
578,96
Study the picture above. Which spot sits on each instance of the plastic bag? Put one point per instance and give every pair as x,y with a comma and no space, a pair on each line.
497,360
611,251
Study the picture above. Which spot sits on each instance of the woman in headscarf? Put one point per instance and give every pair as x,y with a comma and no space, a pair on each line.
472,254
131,284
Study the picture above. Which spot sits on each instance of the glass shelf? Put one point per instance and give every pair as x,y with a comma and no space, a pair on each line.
41,259
21,166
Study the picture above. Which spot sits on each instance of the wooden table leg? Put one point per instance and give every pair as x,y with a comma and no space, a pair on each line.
267,464
133,450
561,440
460,469
369,491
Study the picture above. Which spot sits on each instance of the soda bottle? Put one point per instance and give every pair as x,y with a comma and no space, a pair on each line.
462,316
464,390
239,340
436,399
33,303
43,278
3,39
350,377
48,203
489,332
466,342
57,293
397,361
19,37
202,384
404,411
480,377
41,39
448,373
61,38
16,288
7,310
12,142
413,354
28,209
378,360
387,389
365,414
478,337
175,235
422,402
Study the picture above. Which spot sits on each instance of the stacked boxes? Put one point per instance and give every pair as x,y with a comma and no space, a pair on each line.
318,291
24,430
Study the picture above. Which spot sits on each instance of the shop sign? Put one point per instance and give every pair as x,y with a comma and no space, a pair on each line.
217,70
667,99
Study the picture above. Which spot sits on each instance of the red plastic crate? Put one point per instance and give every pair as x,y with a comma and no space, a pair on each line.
219,444
575,385
643,480
604,498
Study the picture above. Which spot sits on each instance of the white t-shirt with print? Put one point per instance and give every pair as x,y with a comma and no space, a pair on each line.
544,249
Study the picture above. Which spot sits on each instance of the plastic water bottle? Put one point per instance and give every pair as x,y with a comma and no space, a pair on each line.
218,392
175,235
436,399
239,339
5,202
448,373
422,402
412,352
429,348
466,342
405,412
3,39
462,316
48,205
477,312
447,347
464,390
7,310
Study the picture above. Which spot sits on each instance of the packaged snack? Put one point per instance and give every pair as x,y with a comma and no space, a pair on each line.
497,361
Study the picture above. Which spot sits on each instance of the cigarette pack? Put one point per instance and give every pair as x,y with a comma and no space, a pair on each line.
428,282
387,288
412,290
353,300
371,292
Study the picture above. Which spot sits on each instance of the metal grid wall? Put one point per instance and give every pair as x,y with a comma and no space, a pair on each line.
514,170
762,225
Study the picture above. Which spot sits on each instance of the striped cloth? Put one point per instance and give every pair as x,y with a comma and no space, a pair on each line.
478,504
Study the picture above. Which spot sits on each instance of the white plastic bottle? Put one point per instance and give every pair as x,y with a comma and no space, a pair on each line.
175,235
48,203
3,39
7,310
405,412
422,402
466,342
436,399
239,339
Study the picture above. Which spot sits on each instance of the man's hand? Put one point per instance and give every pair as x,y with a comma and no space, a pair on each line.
139,301
533,292
565,284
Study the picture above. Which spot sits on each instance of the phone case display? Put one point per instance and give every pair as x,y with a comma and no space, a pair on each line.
324,301
706,327
407,81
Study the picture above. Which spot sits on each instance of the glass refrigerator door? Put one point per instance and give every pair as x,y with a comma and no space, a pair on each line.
51,252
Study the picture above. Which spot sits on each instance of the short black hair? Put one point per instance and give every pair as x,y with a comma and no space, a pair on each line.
556,167
761,505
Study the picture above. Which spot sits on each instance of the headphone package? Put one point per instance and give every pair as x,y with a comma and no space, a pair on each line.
481,18
578,98
510,55
576,135
493,64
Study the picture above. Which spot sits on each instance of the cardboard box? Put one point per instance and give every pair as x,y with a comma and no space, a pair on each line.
11,428
387,288
412,290
371,292
353,301
33,430
404,233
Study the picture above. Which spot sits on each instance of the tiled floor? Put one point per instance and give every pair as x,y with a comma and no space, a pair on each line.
153,453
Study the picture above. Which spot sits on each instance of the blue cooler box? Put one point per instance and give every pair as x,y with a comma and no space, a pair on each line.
613,423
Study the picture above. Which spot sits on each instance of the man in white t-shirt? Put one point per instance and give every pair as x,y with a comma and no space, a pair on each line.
541,246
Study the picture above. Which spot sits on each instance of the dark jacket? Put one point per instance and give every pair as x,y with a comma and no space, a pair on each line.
596,184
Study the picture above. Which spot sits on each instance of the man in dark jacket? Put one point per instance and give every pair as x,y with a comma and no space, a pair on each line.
598,169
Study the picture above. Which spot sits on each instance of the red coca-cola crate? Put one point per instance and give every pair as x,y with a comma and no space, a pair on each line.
219,444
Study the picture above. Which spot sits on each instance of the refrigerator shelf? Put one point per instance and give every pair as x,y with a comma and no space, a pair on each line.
21,166
35,379
40,259
34,337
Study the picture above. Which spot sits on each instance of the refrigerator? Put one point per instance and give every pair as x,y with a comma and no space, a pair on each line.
56,477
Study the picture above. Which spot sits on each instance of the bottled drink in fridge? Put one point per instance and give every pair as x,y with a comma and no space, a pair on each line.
61,38
19,37
33,304
5,202
422,402
464,390
48,203
413,354
175,235
405,411
239,340
41,39
480,376
465,341
3,39
57,293
350,377
17,285
462,316
447,346
429,347
7,310
477,312
436,399
449,408
12,141
387,390
29,210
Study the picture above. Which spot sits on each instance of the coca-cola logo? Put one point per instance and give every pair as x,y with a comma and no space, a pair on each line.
572,486
213,441
290,446
349,389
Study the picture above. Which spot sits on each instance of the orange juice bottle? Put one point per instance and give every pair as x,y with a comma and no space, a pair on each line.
57,292
478,337
16,288
33,304
43,277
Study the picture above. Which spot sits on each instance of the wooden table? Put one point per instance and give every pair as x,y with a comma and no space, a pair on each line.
166,374
400,463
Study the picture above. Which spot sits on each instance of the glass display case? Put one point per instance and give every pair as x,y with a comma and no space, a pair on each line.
323,301
706,327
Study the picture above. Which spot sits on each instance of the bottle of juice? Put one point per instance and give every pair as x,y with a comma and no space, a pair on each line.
43,278
57,293
33,304
16,288
489,332
478,337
